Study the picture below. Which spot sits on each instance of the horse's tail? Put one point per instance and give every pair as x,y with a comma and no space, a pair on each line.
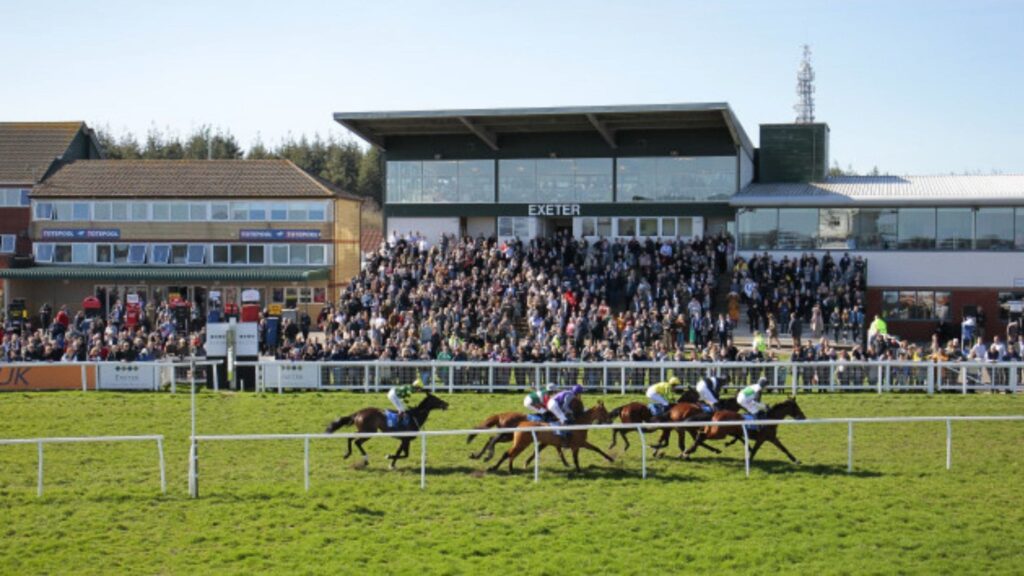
489,422
339,423
616,413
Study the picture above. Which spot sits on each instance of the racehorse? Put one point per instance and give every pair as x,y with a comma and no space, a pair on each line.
374,420
510,420
766,433
640,413
523,437
684,411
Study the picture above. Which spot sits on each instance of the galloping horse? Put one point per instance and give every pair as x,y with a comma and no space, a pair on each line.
374,420
510,420
684,411
786,408
640,413
523,437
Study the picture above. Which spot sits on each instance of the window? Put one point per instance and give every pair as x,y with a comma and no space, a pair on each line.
62,253
239,254
63,211
7,243
1004,303
14,197
240,211
140,211
44,211
648,226
626,227
279,254
179,212
916,229
298,295
404,182
994,229
676,179
953,230
25,200
876,228
668,227
137,254
256,254
219,211
297,254
119,211
297,211
758,228
257,211
161,211
179,253
104,254
220,254
196,253
917,305
588,227
278,212
440,181
317,254
160,254
518,227
80,211
44,252
517,181
81,253
685,227
1019,234
120,253
101,211
197,211
317,211
797,228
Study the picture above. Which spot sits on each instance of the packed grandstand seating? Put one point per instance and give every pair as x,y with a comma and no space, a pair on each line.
556,299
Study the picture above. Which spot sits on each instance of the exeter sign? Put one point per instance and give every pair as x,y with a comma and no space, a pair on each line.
554,209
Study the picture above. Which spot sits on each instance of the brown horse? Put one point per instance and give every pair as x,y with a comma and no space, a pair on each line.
510,420
682,412
640,413
787,408
374,420
577,438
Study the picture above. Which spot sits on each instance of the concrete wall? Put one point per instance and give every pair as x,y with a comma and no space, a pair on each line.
432,228
485,227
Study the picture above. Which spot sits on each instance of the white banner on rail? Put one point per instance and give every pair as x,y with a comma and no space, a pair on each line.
123,376
297,375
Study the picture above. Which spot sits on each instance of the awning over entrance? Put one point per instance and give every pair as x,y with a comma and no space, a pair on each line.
114,273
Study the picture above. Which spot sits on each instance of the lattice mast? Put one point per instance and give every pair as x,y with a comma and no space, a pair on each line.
805,89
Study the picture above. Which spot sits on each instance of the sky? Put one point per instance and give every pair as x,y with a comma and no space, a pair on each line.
910,87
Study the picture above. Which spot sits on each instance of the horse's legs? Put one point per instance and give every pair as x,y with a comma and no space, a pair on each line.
576,458
705,446
757,446
698,440
615,436
349,453
561,455
359,444
402,452
734,440
663,441
682,439
590,446
509,455
784,451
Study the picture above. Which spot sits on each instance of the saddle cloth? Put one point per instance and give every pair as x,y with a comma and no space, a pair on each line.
393,420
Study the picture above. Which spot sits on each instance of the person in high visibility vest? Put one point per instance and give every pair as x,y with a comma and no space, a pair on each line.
657,394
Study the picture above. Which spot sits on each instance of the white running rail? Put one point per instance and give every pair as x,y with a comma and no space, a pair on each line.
640,428
40,442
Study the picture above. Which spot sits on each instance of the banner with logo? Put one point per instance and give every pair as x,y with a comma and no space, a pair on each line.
292,376
81,234
45,377
247,339
278,235
128,376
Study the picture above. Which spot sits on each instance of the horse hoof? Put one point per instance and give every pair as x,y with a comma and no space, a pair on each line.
796,462
473,456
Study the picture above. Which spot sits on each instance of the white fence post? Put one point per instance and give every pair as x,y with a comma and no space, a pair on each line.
536,457
85,379
39,489
643,452
931,379
423,461
949,444
305,462
163,469
849,448
746,450
622,379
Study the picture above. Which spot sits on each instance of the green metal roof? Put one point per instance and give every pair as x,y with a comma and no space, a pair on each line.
126,273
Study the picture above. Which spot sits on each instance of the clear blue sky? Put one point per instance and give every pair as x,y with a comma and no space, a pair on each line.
912,87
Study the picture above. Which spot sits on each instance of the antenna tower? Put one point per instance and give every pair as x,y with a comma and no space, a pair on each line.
804,106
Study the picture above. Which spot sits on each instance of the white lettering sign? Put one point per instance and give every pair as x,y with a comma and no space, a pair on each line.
247,339
554,209
121,376
297,375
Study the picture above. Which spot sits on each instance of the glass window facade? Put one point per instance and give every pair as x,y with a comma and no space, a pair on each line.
835,228
440,181
759,228
676,179
994,229
797,228
916,305
555,180
916,229
954,228
876,228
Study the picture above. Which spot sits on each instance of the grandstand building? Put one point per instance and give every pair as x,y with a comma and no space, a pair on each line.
198,231
938,248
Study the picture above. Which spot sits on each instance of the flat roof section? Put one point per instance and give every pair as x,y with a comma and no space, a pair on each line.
489,124
169,273
856,191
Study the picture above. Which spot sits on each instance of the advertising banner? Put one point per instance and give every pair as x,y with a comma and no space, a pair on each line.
279,235
45,377
293,376
247,342
125,376
81,234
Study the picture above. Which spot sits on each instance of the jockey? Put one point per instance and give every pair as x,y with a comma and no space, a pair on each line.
750,398
560,405
656,393
536,401
709,389
399,395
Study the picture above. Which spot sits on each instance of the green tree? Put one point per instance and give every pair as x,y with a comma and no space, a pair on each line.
371,178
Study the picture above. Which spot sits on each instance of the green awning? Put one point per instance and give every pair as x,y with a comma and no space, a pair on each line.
198,274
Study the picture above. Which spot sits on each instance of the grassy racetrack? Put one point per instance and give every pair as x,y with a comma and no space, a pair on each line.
901,511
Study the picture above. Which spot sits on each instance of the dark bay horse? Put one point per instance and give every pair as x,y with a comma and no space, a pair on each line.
510,420
640,413
787,408
523,437
683,411
374,420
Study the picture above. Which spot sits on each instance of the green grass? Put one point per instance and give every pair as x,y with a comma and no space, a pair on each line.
900,511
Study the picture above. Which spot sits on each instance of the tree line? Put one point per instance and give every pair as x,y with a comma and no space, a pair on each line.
339,161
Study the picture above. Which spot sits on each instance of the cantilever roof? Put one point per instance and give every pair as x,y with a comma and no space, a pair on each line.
184,179
490,124
28,149
887,191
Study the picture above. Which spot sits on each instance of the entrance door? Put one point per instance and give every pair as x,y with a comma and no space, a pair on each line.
558,226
